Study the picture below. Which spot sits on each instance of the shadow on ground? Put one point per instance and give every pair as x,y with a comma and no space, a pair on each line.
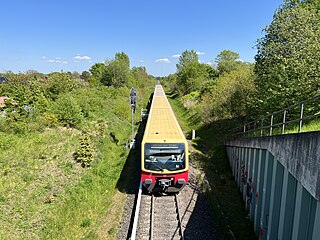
129,179
223,194
130,175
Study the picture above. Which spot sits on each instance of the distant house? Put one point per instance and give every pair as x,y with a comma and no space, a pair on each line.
2,100
3,80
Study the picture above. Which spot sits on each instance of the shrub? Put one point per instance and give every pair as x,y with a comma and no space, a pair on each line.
191,99
60,83
50,119
85,152
68,111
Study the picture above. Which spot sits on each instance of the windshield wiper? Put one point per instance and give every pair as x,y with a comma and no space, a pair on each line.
156,165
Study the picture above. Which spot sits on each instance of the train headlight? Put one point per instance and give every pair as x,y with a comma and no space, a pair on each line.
148,181
181,181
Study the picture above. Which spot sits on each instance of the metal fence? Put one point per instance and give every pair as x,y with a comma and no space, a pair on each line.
290,118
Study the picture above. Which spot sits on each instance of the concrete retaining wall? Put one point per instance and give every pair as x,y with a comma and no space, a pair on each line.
279,178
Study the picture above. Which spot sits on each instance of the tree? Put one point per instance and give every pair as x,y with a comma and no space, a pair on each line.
186,58
288,58
191,77
212,73
140,76
234,93
122,57
85,75
293,3
97,70
117,71
59,83
227,61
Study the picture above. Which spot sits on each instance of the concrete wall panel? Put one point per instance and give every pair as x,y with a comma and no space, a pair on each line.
279,178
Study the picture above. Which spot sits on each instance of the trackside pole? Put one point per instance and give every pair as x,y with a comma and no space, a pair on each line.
193,134
133,141
136,214
132,99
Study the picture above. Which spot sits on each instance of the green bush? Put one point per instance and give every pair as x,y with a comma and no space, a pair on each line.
85,222
60,83
50,119
68,111
85,151
191,99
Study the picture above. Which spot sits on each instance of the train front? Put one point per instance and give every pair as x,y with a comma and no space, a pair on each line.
164,166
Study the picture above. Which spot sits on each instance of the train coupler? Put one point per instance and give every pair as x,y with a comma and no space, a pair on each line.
165,183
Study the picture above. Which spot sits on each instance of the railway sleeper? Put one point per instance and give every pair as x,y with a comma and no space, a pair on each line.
158,235
166,238
166,225
144,238
165,210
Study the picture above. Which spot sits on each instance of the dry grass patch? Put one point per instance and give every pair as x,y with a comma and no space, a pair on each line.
111,220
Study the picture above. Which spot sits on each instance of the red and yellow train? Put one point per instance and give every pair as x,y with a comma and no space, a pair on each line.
164,148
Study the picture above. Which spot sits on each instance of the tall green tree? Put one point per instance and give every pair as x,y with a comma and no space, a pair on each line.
212,73
234,94
140,76
122,57
97,70
288,59
293,3
191,77
186,58
227,61
117,71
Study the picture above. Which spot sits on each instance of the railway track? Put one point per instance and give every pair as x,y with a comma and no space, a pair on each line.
157,218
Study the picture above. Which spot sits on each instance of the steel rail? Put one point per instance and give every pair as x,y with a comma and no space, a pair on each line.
179,217
150,232
136,214
152,218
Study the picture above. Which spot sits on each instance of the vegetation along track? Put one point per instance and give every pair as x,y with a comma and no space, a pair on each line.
159,218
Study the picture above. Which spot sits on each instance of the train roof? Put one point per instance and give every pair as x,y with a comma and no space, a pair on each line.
162,125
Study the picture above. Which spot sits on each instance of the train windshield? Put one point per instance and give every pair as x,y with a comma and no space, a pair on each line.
160,156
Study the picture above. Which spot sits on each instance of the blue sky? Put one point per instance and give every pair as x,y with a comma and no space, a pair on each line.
72,35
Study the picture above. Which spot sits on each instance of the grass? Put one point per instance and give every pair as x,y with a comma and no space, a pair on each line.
82,212
292,128
223,194
310,126
46,194
33,171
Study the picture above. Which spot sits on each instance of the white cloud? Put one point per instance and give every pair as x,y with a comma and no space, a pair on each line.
201,53
81,58
176,56
209,63
56,61
58,58
141,61
65,62
44,57
162,60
